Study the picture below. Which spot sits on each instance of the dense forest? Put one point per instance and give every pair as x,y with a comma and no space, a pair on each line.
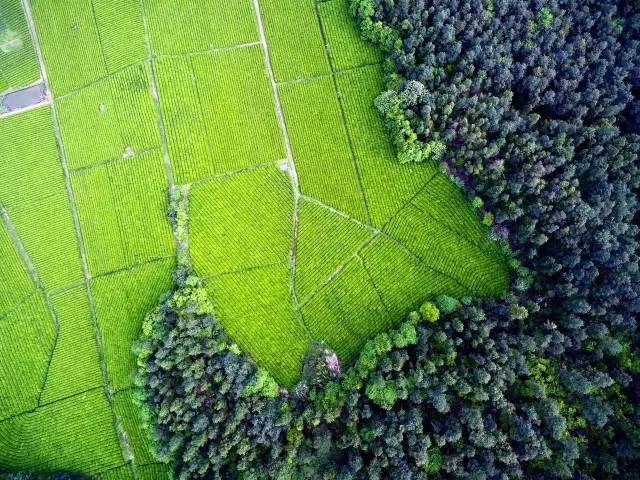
532,107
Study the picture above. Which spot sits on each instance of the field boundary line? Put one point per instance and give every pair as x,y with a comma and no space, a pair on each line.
59,291
453,231
332,73
209,51
39,287
38,407
22,251
421,262
291,166
28,14
386,235
233,173
375,285
408,201
339,269
18,304
109,161
272,81
101,79
155,95
131,266
78,232
240,271
343,115
95,25
339,213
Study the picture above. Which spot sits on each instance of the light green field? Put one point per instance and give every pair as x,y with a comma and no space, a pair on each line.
302,222
18,62
85,40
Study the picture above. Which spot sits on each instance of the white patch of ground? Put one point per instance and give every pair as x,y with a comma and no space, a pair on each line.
23,99
10,41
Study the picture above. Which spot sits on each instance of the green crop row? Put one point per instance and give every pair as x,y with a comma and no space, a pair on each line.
449,252
318,252
34,194
366,242
257,311
15,281
354,275
75,365
73,434
27,334
186,26
347,311
402,281
320,146
242,221
121,302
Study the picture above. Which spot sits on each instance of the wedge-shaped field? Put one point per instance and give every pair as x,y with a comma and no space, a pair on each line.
302,222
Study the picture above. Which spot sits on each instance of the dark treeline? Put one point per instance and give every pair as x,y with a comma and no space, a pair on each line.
537,105
532,106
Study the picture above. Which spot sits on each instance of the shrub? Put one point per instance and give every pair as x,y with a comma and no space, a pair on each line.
429,312
447,304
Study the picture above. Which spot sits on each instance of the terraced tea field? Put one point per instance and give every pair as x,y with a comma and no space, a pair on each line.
302,223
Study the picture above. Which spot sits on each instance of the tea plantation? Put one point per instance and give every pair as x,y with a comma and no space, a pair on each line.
302,223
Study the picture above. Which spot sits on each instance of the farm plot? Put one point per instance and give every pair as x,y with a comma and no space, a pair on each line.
14,278
218,112
85,40
120,108
122,209
33,193
74,433
87,216
182,27
18,62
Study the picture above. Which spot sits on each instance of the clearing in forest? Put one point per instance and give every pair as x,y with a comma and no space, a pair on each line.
302,222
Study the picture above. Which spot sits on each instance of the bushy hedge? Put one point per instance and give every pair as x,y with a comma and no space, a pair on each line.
532,106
